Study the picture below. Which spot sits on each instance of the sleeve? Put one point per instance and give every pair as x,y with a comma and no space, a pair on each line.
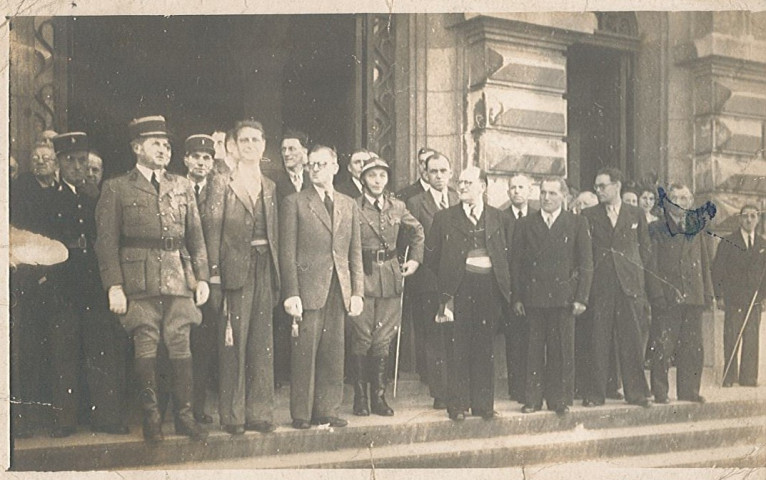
644,247
195,239
433,245
718,270
288,247
654,280
107,247
707,281
355,254
518,253
584,261
415,235
212,224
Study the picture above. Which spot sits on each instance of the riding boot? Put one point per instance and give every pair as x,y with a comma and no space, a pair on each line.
378,387
152,424
183,385
359,373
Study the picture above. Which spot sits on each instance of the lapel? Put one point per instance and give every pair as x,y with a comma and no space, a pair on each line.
603,219
142,183
452,197
203,194
622,219
267,193
540,229
492,223
337,215
429,205
238,188
317,207
460,221
167,184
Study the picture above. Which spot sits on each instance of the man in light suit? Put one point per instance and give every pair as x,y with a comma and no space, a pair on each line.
422,290
621,253
552,272
153,263
738,271
467,251
516,329
322,280
679,289
242,233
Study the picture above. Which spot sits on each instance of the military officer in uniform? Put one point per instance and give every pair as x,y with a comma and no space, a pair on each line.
83,317
381,216
153,263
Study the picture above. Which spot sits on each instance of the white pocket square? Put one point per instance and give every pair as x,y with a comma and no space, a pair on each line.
634,226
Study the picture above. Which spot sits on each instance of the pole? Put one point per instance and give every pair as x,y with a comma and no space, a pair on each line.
399,330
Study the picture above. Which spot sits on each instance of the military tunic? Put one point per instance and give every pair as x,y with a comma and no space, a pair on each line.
372,331
152,244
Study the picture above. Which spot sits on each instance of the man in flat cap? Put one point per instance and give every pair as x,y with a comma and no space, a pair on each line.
83,315
381,218
151,253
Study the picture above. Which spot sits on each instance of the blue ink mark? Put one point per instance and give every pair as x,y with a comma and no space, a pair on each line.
694,221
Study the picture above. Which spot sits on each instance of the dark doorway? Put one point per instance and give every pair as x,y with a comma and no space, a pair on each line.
600,113
205,72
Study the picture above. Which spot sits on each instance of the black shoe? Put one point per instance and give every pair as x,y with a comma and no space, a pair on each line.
112,429
378,404
695,399
439,404
486,415
261,426
332,421
301,424
592,403
641,402
664,400
457,416
529,409
615,396
234,429
203,418
62,432
748,384
562,410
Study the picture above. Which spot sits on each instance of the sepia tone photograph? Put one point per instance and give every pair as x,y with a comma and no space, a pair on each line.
531,242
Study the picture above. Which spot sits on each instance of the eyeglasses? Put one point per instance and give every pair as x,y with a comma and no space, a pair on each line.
44,158
316,165
602,186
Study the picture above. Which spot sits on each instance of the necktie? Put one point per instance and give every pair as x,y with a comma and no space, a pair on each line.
443,202
196,191
612,214
549,220
328,203
521,214
749,242
155,183
472,216
379,205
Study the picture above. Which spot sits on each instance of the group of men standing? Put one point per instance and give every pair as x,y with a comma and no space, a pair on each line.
244,264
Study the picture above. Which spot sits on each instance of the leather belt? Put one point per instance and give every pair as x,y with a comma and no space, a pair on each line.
165,243
378,256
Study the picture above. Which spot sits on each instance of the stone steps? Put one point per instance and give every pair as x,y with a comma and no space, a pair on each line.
421,437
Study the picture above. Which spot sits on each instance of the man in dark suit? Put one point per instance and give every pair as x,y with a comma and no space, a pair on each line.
241,229
199,165
467,251
738,271
153,263
422,291
515,327
421,184
679,289
353,185
322,280
552,273
621,253
28,191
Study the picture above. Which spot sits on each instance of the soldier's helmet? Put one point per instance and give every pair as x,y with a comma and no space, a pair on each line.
375,162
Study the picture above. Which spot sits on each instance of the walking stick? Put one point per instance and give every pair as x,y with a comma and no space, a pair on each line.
399,332
742,330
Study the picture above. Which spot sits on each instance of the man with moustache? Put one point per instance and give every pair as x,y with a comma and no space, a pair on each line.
153,263
738,271
621,253
516,329
241,229
353,185
422,288
468,252
382,218
322,280
552,272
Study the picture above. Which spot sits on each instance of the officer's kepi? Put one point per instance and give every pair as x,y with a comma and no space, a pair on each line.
200,143
153,126
70,142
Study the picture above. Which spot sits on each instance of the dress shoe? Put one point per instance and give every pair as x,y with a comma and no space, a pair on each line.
457,416
562,410
754,384
661,399
695,399
301,424
486,415
332,421
592,403
439,404
62,432
112,429
261,426
641,402
234,429
203,418
615,396
529,409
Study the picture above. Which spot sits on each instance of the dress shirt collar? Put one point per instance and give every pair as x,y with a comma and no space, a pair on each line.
524,210
477,209
147,172
437,195
201,183
321,191
748,237
358,183
426,186
614,208
71,187
550,218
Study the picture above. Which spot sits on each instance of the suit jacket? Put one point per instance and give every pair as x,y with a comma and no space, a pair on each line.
129,207
680,267
28,202
385,278
511,227
220,167
450,240
738,272
552,267
228,222
282,180
423,208
625,248
348,187
312,245
410,191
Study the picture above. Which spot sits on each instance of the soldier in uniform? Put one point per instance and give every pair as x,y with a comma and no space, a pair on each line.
153,263
380,218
